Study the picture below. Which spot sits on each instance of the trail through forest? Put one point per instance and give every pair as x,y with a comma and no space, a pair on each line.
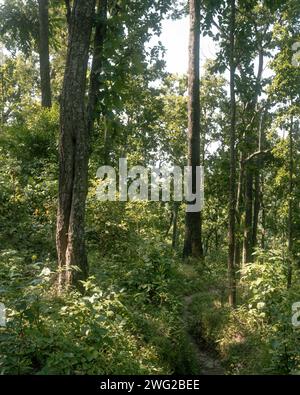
206,356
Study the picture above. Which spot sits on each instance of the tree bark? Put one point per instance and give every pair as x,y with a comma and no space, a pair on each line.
239,198
256,208
247,242
257,183
193,220
44,53
232,176
74,149
263,216
174,224
290,215
252,175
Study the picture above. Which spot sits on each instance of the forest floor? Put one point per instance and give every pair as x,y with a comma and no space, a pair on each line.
207,357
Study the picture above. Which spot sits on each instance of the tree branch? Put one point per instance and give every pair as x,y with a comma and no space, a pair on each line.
255,154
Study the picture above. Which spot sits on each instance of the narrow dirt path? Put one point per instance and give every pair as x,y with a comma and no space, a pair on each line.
208,362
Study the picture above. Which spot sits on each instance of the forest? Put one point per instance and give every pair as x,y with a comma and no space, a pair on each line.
101,273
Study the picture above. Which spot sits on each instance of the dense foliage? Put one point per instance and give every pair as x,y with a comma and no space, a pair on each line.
143,310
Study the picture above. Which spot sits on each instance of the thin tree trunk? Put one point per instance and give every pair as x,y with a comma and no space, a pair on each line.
290,215
108,137
250,169
232,177
175,222
44,52
193,221
247,242
74,149
256,209
237,252
257,183
170,223
263,217
252,176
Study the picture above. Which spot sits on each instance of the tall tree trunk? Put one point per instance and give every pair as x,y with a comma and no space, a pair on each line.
256,208
44,52
232,176
257,183
74,149
290,215
174,223
252,173
108,137
193,220
238,241
263,216
247,242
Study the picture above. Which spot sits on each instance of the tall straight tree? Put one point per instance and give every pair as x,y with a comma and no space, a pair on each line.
232,175
74,148
193,221
44,52
290,209
252,167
